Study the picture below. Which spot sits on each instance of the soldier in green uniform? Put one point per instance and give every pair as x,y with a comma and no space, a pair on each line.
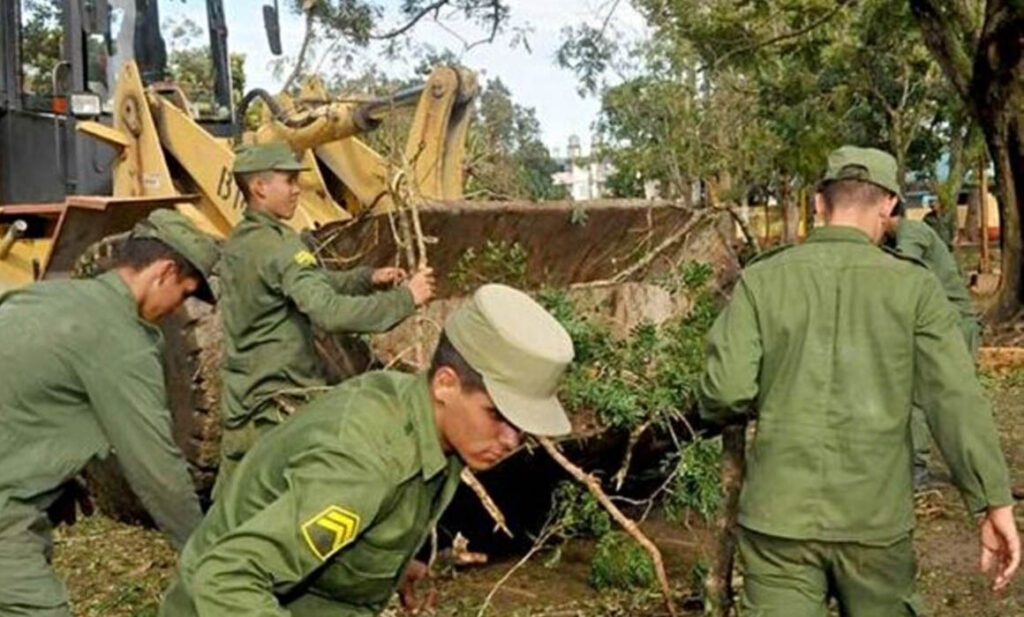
919,240
273,292
830,342
81,375
327,511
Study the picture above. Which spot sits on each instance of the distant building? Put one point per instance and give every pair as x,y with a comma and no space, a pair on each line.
583,176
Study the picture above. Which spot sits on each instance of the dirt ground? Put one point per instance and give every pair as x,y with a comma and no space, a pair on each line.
116,570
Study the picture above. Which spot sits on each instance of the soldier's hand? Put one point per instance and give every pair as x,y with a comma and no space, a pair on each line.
388,276
411,603
1000,546
422,286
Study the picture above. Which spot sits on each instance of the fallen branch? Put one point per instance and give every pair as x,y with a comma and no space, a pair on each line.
485,499
643,262
627,458
718,584
594,486
748,233
545,535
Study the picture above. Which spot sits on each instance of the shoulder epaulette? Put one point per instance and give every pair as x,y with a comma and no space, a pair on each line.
763,255
898,255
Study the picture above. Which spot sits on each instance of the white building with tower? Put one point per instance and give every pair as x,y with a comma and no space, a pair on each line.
583,175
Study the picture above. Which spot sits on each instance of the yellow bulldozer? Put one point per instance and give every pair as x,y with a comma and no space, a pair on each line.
96,141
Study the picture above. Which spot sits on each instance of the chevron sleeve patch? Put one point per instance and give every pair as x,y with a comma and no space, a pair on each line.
305,259
329,531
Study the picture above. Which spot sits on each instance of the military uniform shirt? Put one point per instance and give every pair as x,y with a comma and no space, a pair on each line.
323,514
81,373
830,341
272,294
920,241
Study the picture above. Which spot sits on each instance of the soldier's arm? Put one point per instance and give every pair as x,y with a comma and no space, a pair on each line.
356,282
292,271
729,384
332,498
127,393
958,414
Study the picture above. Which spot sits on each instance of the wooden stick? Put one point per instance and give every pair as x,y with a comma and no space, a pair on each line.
646,260
594,486
634,437
986,262
718,584
537,546
485,500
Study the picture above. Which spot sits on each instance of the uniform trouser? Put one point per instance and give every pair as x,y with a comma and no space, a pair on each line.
796,578
919,432
236,441
28,584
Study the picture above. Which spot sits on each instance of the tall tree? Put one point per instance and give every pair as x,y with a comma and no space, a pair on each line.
191,66
747,98
506,158
980,47
337,30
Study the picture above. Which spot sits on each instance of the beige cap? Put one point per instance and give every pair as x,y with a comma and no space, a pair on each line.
520,350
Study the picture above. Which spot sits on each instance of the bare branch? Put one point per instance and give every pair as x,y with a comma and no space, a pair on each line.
945,39
840,5
470,480
300,60
433,7
608,17
630,526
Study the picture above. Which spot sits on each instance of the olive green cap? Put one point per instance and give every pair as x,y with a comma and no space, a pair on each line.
865,164
198,248
520,350
271,156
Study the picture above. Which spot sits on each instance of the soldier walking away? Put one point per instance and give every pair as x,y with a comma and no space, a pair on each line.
918,240
81,374
273,291
325,513
830,342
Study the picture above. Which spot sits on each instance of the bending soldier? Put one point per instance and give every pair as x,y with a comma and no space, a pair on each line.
81,375
324,514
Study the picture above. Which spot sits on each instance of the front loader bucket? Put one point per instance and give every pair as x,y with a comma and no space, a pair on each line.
560,244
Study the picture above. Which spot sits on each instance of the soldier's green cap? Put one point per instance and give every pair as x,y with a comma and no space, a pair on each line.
198,248
271,156
520,350
865,164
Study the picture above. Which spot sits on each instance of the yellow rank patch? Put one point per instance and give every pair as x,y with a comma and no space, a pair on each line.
330,530
305,259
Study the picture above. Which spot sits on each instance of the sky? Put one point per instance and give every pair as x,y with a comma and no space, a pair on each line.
532,76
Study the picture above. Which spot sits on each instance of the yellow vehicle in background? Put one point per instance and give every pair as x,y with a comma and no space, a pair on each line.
96,139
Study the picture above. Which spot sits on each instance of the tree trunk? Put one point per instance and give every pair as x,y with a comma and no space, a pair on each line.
998,89
963,146
790,216
718,584
1006,145
986,67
